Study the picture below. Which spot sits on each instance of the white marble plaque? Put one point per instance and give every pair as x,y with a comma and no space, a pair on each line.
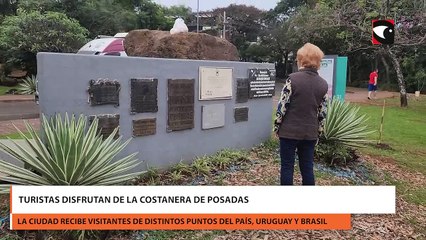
215,83
213,116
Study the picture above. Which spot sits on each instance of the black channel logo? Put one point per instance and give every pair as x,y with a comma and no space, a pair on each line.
383,31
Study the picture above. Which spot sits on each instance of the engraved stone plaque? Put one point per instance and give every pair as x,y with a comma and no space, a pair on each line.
144,127
213,116
104,91
180,104
262,83
106,124
143,95
215,83
242,90
241,114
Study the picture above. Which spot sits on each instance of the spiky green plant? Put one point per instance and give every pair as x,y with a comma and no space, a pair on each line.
345,125
183,168
226,157
201,165
176,176
28,86
67,155
221,161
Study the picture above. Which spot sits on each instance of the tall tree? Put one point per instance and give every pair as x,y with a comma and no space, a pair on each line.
152,16
345,27
24,35
106,17
409,31
277,35
243,25
8,7
181,11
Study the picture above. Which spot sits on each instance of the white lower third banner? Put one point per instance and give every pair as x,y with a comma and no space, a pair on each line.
195,207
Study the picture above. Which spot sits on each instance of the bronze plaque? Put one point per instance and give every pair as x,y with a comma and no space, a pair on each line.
262,83
104,91
180,104
143,95
106,124
144,127
241,114
242,90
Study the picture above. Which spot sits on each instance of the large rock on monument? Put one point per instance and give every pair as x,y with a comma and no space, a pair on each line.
162,44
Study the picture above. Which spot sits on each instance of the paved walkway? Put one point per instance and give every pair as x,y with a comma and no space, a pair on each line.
16,98
359,95
14,108
7,127
18,110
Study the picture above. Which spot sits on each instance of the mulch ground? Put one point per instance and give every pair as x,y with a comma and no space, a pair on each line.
397,226
262,168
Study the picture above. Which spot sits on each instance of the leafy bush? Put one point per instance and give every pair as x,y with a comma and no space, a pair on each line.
24,35
226,157
201,166
28,86
420,80
68,155
182,168
334,153
414,70
8,82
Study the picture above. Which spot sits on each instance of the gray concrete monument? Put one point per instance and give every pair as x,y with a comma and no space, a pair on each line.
178,119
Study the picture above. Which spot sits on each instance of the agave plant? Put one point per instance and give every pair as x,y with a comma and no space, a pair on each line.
345,125
67,155
29,86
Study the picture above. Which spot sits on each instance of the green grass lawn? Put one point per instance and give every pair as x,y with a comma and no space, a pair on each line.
404,130
4,89
13,136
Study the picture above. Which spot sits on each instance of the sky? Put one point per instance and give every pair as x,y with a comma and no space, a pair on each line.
211,4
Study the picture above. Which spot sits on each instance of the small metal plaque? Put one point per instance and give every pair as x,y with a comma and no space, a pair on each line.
180,104
242,90
144,127
262,83
241,114
104,91
213,116
143,95
106,124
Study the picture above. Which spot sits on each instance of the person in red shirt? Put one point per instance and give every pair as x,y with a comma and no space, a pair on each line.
372,84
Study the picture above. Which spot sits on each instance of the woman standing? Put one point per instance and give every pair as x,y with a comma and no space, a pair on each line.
301,115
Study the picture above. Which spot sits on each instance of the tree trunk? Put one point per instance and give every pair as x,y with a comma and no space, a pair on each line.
387,69
286,63
400,77
376,62
349,74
